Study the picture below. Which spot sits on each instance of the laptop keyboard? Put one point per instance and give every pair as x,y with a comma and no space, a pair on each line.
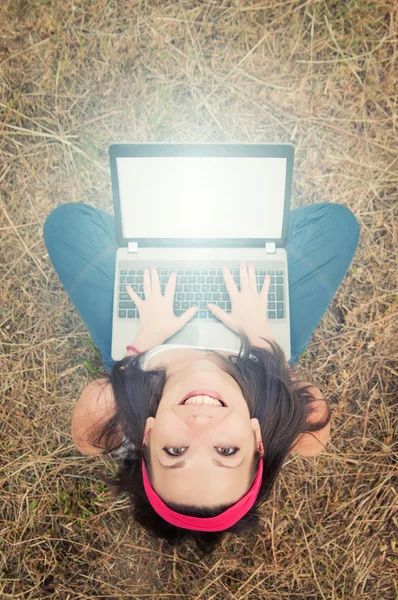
198,287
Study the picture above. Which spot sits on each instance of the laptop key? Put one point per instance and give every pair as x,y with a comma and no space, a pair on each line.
279,292
198,296
280,313
185,305
131,314
208,297
271,314
203,314
122,313
126,304
202,305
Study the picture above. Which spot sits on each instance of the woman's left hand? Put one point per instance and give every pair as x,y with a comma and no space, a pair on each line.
157,319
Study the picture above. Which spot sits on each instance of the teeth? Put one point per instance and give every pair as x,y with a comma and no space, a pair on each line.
203,400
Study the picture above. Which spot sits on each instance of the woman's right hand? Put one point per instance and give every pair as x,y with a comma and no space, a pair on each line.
249,308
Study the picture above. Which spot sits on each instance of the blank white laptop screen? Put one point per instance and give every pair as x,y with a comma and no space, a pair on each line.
201,197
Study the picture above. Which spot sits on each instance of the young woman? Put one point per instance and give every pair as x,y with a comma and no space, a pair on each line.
199,470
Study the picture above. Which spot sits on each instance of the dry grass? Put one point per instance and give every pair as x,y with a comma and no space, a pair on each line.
78,75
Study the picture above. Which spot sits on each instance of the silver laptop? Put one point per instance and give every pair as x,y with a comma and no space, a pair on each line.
192,208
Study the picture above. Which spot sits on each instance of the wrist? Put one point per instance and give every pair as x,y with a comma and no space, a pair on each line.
141,343
263,343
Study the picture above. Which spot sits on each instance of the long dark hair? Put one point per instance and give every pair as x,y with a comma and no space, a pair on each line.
265,380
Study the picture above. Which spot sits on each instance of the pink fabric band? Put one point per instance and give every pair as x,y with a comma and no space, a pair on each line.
133,349
226,519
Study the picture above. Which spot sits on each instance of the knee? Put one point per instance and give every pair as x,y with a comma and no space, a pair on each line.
344,222
58,217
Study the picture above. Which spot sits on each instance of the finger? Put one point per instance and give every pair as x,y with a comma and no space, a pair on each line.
187,316
220,314
252,278
244,278
265,288
133,295
229,282
155,281
147,284
171,286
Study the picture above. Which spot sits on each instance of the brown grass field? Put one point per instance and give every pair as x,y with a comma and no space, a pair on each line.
78,75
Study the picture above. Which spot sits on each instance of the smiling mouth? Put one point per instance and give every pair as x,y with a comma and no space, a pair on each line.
221,405
209,393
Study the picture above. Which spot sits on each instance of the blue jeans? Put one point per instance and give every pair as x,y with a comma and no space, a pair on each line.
322,241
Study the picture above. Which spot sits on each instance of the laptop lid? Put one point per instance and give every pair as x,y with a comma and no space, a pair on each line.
201,194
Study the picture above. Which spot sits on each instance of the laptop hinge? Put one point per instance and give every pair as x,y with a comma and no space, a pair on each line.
270,247
132,247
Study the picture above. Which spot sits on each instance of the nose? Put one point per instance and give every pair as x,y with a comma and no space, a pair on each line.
200,420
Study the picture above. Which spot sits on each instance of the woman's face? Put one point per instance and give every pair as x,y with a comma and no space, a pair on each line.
199,435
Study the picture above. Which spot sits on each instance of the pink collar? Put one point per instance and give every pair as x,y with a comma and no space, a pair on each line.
223,521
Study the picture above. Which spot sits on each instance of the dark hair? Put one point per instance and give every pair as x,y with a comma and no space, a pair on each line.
266,384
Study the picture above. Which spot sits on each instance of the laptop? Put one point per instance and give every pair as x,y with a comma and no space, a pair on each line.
193,208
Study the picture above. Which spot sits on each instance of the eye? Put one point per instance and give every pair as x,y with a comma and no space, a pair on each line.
167,450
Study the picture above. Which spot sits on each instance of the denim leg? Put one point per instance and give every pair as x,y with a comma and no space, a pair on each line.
80,242
322,241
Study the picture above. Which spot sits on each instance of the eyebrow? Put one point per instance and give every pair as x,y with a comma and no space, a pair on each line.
181,464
